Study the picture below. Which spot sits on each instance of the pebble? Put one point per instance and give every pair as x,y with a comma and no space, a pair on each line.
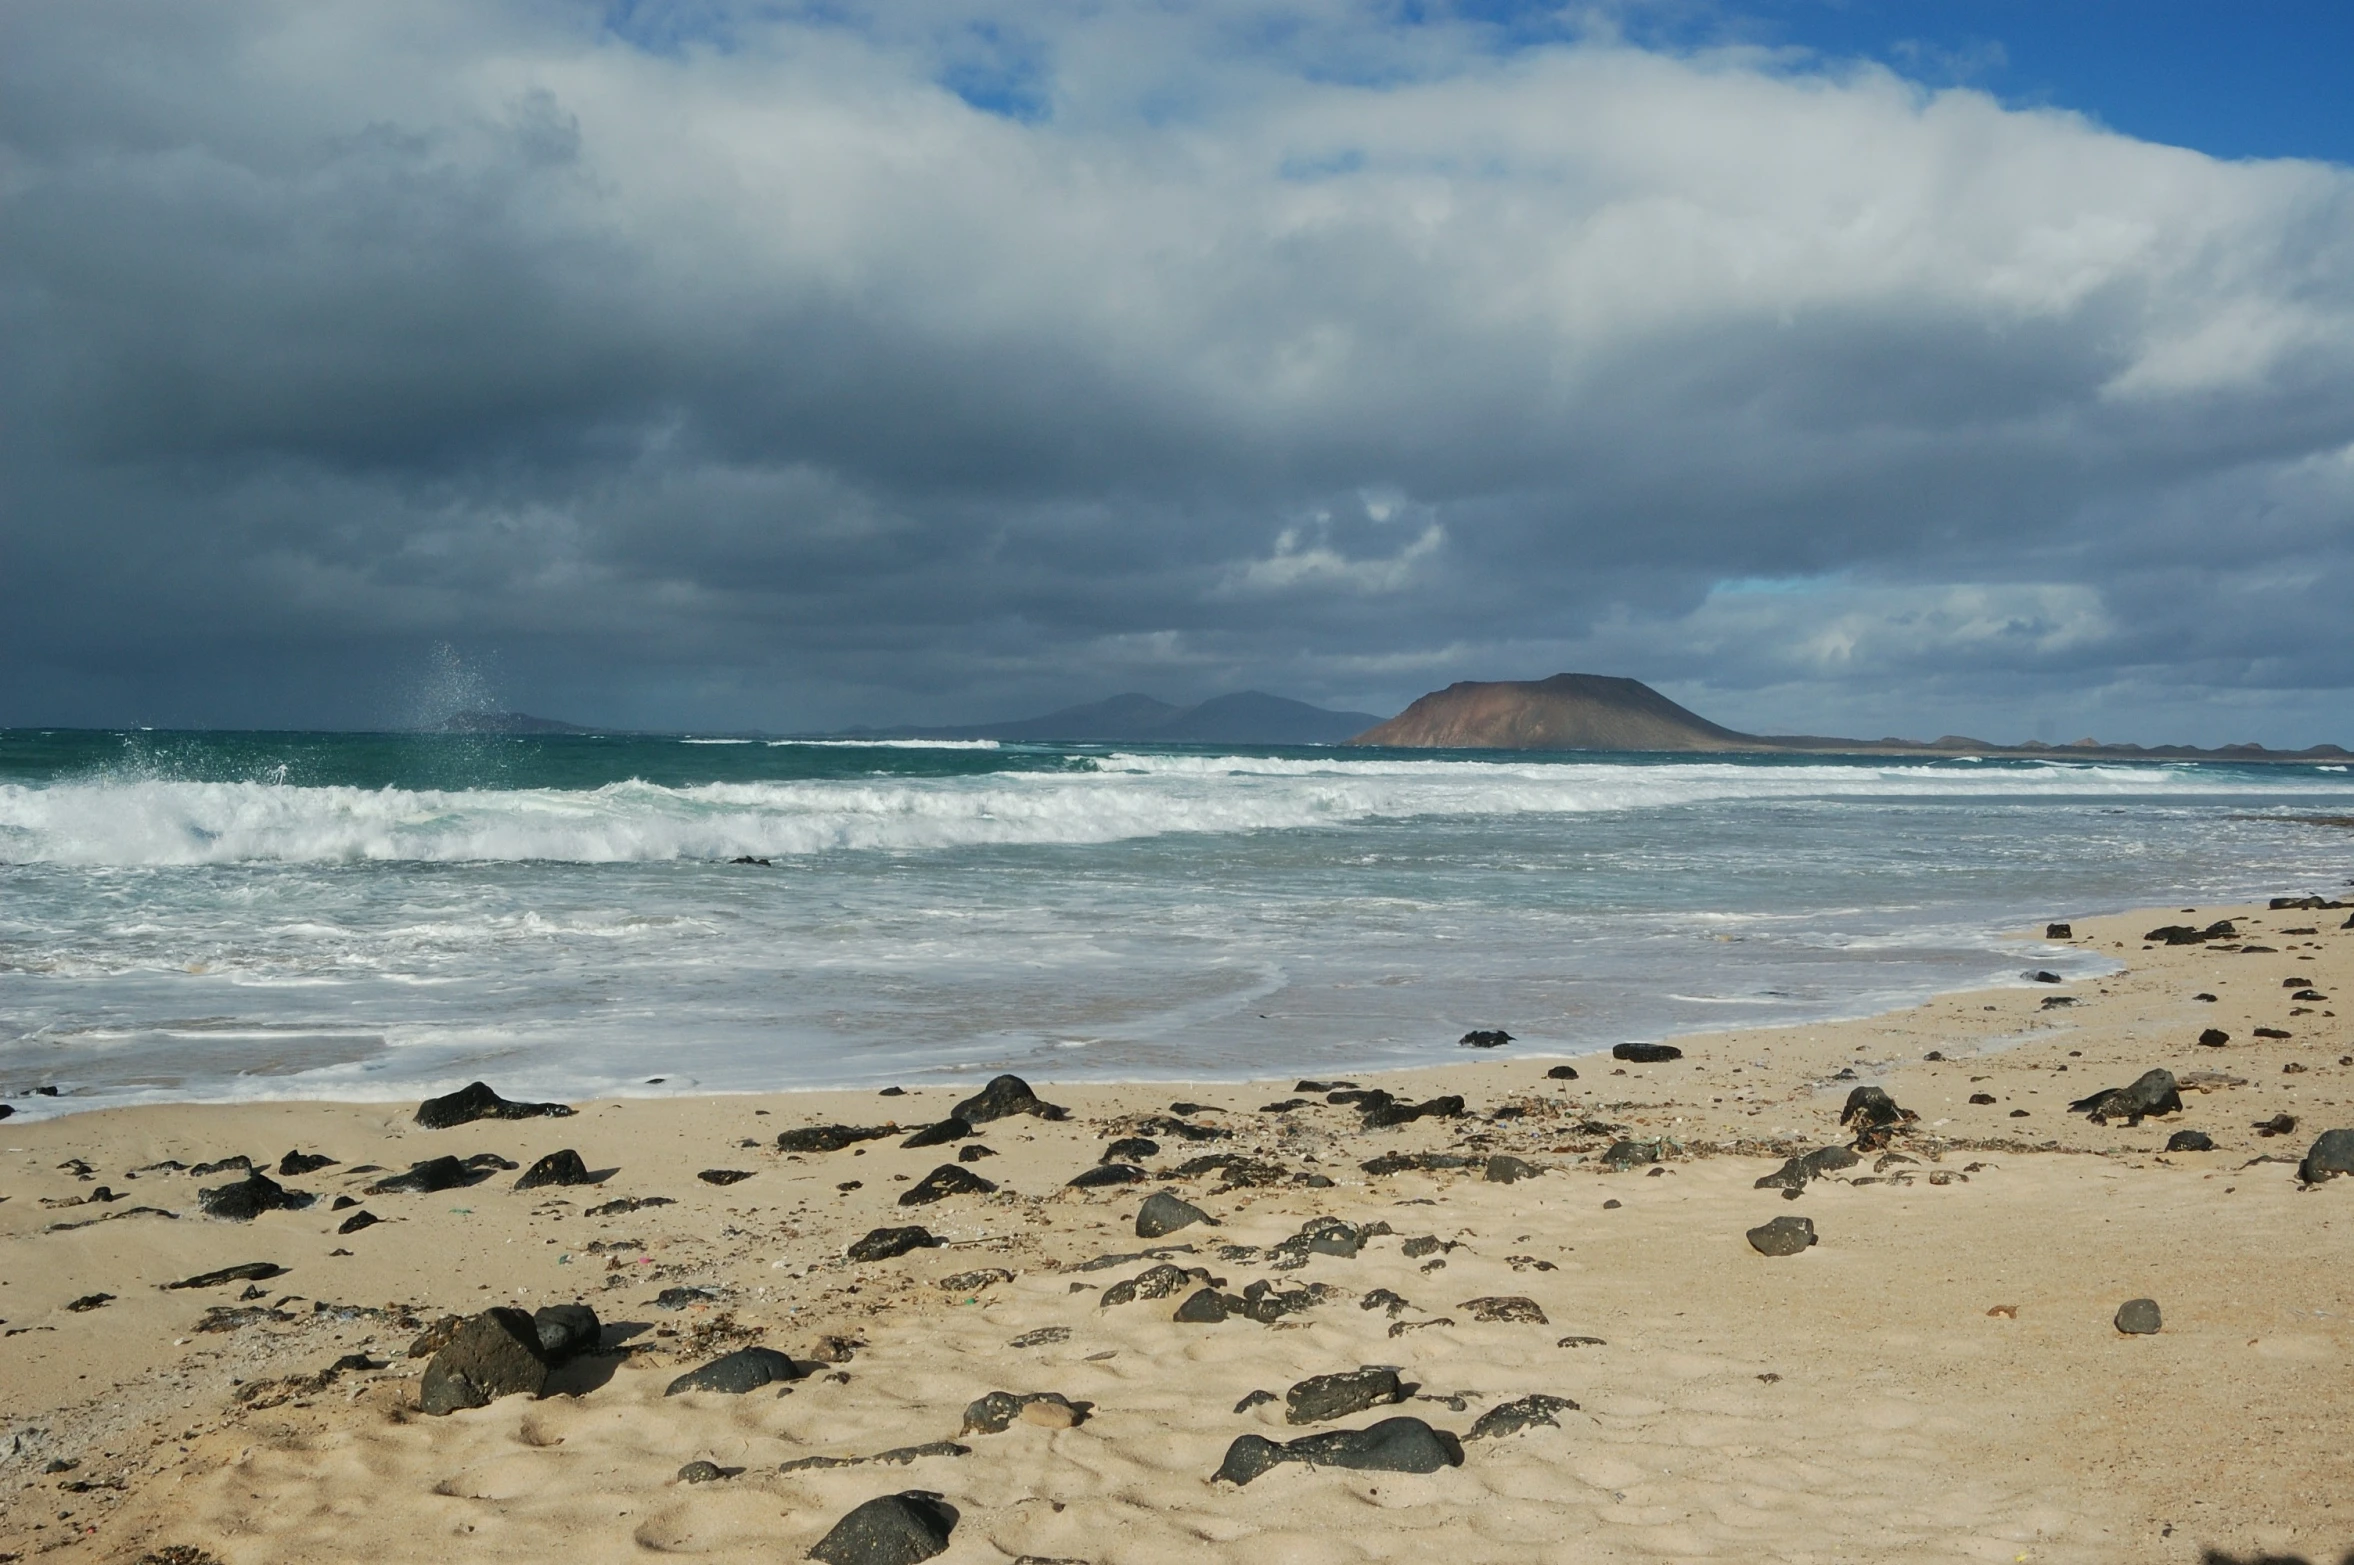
2138,1317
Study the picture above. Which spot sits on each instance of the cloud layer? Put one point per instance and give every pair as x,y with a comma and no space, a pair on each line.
706,367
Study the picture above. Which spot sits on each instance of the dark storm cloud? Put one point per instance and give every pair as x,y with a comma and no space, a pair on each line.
697,366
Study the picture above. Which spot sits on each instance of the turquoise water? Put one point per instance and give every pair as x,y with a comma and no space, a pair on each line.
217,916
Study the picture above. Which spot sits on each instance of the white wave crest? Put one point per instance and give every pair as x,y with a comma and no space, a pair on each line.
166,822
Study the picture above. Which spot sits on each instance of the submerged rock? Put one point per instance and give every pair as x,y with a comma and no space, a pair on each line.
1395,1445
1484,1038
476,1101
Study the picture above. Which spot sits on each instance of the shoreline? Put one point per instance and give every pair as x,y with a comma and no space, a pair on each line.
1807,1407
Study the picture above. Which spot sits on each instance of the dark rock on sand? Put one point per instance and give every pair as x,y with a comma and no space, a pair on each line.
942,1182
882,1244
1156,1282
2214,1038
995,1413
1384,1299
296,1163
1510,1418
436,1173
566,1330
1130,1149
1403,1162
1504,1169
2043,976
831,1138
974,1281
2190,1141
2332,1155
1005,1095
746,1369
1207,1307
249,1271
202,1170
1782,1236
1506,1308
1870,1106
2058,932
1982,1098
893,1529
1485,1038
1165,1213
1321,1398
947,1130
2271,1032
1562,1073
2278,1125
489,1162
476,1101
1104,1174
1325,1236
685,1296
557,1168
1395,1445
2138,1317
2152,1093
249,1197
974,1153
1377,1115
724,1176
363,1218
2185,935
1624,1154
701,1472
1646,1053
1254,1399
494,1354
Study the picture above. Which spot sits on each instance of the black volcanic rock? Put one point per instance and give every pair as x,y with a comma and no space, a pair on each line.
947,1130
1004,1096
249,1197
557,1168
891,1529
1320,1398
746,1369
492,1355
884,1243
830,1138
476,1101
435,1173
2154,1092
2332,1155
1395,1445
1165,1213
1646,1053
942,1182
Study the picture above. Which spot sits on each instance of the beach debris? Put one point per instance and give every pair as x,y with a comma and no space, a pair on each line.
892,1529
1484,1038
435,1173
566,1330
1646,1053
249,1197
942,1182
296,1163
2003,1312
1165,1213
831,1138
2185,935
2190,1141
1782,1236
883,1244
1510,1309
1322,1398
974,1282
1107,1174
995,1413
1395,1445
724,1176
476,1101
1504,1169
2154,1092
2137,1317
491,1355
1004,1096
746,1369
557,1168
1510,1418
247,1271
939,1135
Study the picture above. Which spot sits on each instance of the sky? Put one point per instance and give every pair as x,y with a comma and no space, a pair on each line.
1836,366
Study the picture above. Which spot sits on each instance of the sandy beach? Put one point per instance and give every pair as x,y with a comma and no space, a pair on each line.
1939,1377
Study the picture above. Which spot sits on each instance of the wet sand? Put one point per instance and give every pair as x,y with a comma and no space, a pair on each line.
1938,1378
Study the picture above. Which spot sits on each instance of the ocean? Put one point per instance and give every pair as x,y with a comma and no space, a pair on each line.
208,916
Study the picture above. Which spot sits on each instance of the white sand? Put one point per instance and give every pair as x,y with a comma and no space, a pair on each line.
1854,1402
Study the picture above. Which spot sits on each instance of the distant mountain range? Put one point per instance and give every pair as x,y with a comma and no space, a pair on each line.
1244,717
1598,712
